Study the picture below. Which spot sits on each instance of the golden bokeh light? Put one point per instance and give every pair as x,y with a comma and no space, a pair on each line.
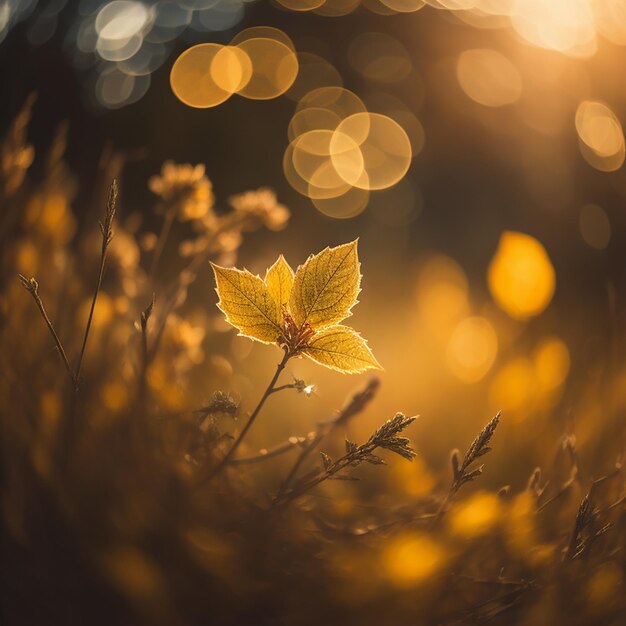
342,102
263,32
488,77
314,72
191,77
312,119
411,559
566,26
600,589
385,149
610,17
231,69
312,158
274,68
314,148
321,181
441,297
595,227
344,206
385,103
601,136
472,349
260,64
521,277
338,152
552,362
513,387
325,183
475,516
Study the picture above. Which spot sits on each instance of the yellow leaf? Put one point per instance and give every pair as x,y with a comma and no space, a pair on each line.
341,348
279,281
247,304
326,286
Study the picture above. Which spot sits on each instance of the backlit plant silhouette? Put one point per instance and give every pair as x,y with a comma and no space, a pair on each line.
126,501
299,313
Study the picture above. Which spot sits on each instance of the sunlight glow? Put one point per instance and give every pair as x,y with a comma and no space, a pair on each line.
521,277
488,77
472,349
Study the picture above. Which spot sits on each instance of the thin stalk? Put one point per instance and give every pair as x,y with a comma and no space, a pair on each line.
143,381
106,227
339,465
283,387
32,287
295,468
268,392
270,453
357,403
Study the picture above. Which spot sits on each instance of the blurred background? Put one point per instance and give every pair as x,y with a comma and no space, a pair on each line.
492,251
474,147
493,256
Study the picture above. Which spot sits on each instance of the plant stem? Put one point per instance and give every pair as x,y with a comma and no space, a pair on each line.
270,453
268,392
89,321
143,380
339,465
357,403
295,468
107,234
32,287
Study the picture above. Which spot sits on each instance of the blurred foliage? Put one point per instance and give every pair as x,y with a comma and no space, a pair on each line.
111,514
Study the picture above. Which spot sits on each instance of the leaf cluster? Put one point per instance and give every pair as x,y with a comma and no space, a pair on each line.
301,311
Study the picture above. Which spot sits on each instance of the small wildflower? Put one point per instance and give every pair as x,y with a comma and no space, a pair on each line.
185,189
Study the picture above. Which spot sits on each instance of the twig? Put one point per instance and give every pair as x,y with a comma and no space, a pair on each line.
299,385
386,437
228,456
265,453
357,403
145,316
32,286
462,473
106,228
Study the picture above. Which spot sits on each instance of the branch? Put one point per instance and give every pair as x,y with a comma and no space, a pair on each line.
227,458
386,437
356,405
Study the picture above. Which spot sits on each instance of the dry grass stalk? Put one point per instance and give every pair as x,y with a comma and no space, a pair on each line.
32,286
356,405
386,437
462,472
106,228
239,439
